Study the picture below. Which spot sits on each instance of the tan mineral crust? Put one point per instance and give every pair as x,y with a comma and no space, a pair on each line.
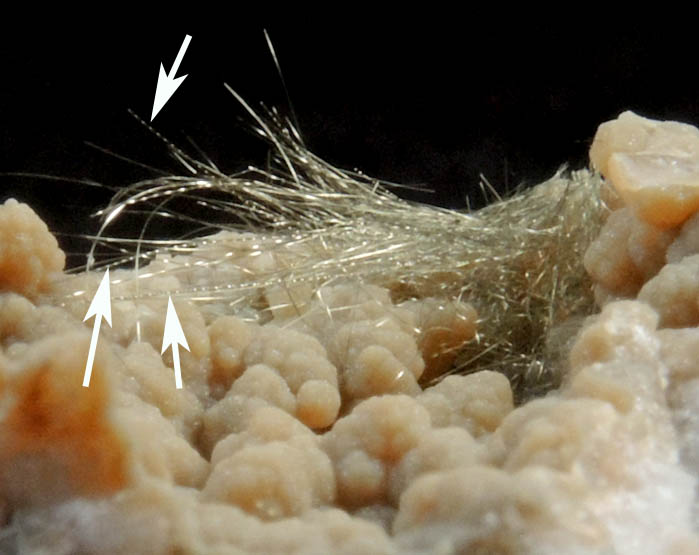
322,430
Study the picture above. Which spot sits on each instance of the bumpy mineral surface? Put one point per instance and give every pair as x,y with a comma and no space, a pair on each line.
312,432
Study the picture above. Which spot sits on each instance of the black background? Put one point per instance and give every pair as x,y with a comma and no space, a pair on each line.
424,105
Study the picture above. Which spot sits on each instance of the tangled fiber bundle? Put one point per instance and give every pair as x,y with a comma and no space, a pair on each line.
518,261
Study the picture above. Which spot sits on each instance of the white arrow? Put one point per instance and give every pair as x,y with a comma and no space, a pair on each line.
173,335
167,84
100,306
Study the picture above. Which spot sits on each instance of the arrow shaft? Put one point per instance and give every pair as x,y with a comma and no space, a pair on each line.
93,347
180,55
176,364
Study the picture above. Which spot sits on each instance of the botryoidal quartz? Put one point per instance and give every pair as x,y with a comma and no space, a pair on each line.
312,432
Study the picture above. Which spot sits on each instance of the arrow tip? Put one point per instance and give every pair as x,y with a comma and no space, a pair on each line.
101,303
173,330
164,90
